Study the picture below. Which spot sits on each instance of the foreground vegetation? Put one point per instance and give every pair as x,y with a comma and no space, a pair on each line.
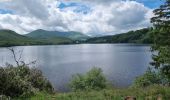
149,93
22,81
93,86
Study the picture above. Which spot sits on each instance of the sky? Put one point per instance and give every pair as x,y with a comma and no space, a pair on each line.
91,17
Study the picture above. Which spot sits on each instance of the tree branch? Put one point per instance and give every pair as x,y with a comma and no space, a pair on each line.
14,55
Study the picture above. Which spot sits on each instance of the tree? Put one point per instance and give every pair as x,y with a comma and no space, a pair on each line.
161,36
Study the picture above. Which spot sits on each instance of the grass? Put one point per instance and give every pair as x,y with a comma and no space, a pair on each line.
148,93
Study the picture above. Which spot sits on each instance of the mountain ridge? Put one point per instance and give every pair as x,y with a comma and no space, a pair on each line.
11,38
44,34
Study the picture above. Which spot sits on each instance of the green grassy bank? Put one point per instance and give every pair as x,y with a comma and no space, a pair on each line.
149,93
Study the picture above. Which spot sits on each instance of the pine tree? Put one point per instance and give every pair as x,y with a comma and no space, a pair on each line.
161,37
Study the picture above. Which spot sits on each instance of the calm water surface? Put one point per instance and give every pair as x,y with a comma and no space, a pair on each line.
121,63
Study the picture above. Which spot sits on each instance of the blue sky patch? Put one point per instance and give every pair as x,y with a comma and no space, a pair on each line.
65,5
4,11
83,9
78,7
151,3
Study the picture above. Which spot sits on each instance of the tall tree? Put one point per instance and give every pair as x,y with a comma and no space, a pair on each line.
161,36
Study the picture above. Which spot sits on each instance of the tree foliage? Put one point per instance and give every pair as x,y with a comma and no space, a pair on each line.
94,79
22,81
149,78
161,36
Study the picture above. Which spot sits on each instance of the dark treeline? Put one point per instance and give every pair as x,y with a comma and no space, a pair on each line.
142,36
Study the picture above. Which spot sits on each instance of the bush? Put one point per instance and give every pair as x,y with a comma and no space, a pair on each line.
92,80
22,81
149,78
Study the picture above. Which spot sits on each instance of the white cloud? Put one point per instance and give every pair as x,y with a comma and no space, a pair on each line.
4,0
118,16
93,1
31,8
18,23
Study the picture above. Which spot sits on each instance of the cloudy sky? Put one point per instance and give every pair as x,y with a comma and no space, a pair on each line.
91,17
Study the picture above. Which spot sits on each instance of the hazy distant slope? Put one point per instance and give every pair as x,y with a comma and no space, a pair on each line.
76,35
59,40
51,34
138,36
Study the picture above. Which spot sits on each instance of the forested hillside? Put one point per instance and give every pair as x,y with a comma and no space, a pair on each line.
138,36
11,38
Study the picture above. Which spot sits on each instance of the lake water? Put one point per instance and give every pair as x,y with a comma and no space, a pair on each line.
121,63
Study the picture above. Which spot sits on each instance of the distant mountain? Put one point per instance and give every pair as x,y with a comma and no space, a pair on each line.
42,37
8,38
8,35
43,34
11,38
138,36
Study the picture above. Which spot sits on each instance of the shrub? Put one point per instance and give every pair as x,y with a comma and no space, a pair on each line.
38,81
94,79
22,81
150,77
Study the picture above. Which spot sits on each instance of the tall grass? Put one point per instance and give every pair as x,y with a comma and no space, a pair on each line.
149,93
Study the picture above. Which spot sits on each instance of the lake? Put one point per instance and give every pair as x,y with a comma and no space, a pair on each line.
121,63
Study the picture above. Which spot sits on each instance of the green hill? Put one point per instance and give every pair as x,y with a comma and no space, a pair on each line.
42,37
11,38
8,35
43,34
138,36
